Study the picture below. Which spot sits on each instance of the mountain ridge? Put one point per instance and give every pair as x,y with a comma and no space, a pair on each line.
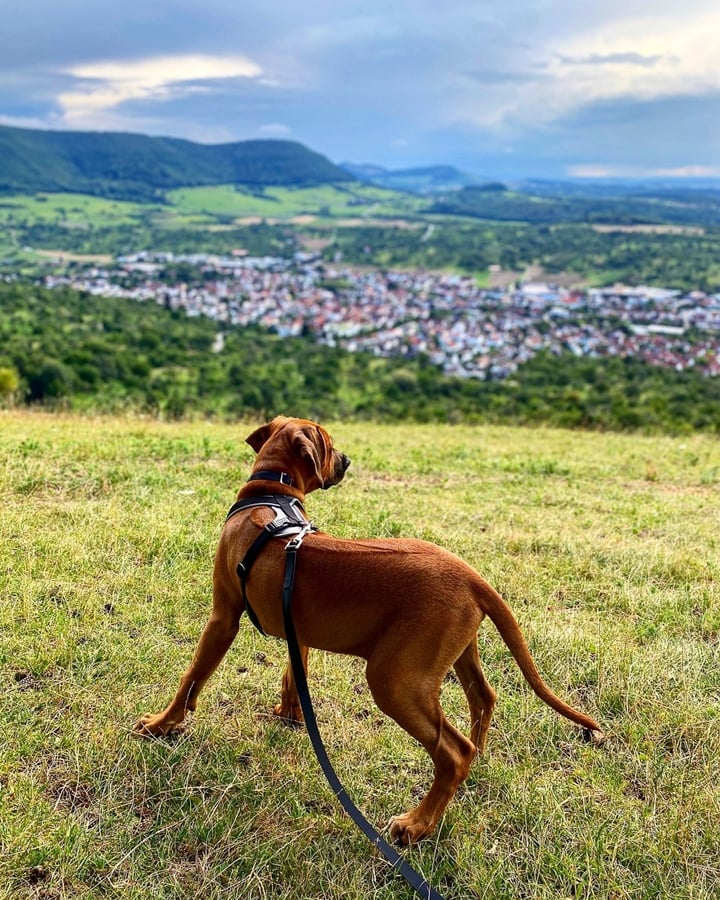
429,179
122,165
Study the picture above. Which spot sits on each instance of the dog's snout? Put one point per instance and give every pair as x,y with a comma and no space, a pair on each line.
345,461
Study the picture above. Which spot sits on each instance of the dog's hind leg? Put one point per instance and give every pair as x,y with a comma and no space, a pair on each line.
289,706
481,697
215,640
412,700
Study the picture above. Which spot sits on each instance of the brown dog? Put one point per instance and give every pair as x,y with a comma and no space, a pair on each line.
408,607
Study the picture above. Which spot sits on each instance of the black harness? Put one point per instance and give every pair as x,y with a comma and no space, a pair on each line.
290,520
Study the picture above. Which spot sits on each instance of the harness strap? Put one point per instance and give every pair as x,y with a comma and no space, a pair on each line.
289,519
413,878
290,506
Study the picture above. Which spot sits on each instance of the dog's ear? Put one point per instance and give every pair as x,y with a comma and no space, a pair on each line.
305,445
261,434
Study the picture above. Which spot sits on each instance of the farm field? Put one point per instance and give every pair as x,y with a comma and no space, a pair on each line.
606,546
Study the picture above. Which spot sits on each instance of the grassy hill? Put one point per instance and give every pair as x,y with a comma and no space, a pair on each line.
605,545
138,167
350,200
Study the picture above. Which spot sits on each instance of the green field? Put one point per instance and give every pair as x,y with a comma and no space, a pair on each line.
205,204
68,220
36,230
606,546
351,200
69,210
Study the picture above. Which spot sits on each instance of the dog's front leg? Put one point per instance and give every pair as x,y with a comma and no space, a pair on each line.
217,636
289,706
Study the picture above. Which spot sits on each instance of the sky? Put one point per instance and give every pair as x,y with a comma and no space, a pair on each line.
518,89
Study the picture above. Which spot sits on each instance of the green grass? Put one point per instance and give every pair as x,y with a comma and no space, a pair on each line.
605,545
69,210
200,205
82,211
351,200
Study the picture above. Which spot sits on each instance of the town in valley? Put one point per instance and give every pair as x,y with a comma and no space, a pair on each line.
466,329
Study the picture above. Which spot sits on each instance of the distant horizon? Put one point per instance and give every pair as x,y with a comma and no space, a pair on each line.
690,177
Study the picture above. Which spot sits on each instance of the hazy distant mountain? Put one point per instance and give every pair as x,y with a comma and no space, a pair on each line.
554,203
135,166
423,180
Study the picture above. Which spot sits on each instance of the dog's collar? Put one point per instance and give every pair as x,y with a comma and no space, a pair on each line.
268,475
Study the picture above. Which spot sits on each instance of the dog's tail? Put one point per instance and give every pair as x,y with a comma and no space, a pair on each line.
502,616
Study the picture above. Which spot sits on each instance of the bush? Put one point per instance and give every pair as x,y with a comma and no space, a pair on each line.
9,381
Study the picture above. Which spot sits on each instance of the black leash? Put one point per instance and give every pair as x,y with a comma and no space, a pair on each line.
413,878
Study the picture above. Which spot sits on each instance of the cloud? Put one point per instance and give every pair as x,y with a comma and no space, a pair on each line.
104,86
623,171
275,130
613,59
626,57
520,87
23,121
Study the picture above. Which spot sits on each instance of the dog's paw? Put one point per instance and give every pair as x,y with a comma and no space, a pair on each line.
408,828
151,725
290,714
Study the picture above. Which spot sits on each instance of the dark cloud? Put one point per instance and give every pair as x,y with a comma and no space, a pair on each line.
672,132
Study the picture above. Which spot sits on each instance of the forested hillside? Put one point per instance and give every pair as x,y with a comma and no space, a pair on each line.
138,167
86,352
685,261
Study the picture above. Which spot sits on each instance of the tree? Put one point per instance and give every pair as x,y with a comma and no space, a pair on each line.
50,380
9,383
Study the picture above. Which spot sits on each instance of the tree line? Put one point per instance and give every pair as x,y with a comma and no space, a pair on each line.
661,207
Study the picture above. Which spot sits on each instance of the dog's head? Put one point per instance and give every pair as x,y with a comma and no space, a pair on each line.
301,445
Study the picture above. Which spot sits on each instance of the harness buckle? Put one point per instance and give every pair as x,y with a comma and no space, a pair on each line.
295,541
280,522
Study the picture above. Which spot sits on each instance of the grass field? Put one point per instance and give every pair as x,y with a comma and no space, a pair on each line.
606,546
69,210
202,205
354,200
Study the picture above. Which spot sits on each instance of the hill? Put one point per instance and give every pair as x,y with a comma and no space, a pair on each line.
558,203
418,180
138,167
